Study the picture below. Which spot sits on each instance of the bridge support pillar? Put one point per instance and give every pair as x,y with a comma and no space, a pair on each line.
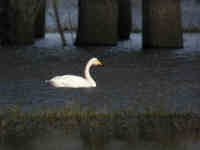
19,26
98,22
40,21
162,26
125,19
4,22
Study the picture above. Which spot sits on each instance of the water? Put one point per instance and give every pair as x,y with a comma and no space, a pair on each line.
130,76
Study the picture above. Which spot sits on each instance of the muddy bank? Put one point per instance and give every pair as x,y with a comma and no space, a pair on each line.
69,129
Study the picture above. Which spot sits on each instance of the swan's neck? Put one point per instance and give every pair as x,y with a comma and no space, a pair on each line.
88,76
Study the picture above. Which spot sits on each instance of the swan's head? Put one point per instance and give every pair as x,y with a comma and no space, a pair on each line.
95,62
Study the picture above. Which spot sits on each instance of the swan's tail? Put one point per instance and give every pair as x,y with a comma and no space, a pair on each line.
49,82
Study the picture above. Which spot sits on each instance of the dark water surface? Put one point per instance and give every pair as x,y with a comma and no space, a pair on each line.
130,76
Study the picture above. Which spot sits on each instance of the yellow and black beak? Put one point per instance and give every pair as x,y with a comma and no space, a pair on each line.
99,63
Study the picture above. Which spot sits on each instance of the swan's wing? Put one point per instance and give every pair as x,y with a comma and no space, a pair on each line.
69,81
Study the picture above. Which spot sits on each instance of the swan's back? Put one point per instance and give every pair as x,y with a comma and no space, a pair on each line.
71,81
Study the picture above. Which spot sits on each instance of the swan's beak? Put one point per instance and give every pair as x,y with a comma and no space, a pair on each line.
99,63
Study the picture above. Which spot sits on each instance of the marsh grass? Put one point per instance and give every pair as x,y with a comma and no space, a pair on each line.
96,128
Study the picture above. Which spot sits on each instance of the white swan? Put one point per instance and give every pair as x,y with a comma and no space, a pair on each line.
73,81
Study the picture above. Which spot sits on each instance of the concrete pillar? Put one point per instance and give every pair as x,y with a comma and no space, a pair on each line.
162,26
125,19
24,22
40,21
98,22
19,23
4,21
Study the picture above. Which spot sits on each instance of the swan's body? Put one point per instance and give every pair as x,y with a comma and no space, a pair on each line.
73,81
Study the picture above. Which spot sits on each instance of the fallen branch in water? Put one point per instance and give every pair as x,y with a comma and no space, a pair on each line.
55,7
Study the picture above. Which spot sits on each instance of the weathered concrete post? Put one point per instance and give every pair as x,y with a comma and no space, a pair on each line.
18,25
24,21
98,22
162,24
125,19
4,24
21,30
40,21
